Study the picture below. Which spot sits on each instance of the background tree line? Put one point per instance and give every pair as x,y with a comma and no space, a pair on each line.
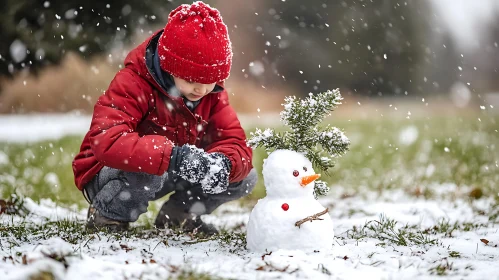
373,48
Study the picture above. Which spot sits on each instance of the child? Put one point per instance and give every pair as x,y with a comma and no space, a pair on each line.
165,125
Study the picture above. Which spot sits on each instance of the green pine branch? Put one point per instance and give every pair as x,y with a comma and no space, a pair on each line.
321,189
269,139
303,116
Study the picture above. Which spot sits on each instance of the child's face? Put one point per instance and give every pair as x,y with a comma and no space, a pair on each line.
193,91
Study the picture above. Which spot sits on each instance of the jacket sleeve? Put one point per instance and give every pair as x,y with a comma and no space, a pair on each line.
225,135
113,137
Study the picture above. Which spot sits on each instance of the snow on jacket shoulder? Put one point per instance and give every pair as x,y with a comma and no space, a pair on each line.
135,125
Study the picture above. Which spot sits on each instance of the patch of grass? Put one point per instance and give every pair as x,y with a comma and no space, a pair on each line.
494,213
234,240
458,149
462,150
13,205
454,254
193,275
71,231
41,170
445,227
351,212
442,268
386,230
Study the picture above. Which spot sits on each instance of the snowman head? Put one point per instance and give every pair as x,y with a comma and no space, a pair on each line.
288,174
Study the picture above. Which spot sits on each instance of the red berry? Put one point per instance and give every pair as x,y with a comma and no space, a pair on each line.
285,206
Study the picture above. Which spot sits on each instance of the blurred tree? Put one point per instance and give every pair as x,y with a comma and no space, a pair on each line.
384,47
36,32
490,53
372,47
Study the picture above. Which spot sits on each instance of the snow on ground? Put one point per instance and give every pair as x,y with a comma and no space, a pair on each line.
38,127
459,255
469,250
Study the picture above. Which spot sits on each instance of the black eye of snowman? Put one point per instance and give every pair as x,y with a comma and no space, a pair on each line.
296,173
304,169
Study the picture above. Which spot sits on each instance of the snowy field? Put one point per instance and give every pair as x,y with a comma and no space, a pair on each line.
393,234
457,241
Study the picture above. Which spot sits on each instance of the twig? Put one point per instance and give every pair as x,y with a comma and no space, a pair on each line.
311,218
266,254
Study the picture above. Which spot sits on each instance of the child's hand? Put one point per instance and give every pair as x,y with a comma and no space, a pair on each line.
190,163
217,178
197,166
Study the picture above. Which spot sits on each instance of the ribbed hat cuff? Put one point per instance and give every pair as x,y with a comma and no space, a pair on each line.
191,71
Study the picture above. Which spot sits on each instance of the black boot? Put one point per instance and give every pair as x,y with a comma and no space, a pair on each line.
174,217
97,222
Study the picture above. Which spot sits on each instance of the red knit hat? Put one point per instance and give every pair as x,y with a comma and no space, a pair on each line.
195,44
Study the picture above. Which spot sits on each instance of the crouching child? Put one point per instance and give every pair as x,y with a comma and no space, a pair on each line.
165,126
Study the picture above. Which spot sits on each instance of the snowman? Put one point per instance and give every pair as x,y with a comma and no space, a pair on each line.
289,217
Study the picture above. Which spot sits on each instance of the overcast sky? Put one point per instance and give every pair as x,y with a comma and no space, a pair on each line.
466,18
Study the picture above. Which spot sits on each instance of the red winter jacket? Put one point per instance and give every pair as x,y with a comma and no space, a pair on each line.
136,124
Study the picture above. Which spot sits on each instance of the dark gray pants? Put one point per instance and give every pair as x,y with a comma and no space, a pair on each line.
123,196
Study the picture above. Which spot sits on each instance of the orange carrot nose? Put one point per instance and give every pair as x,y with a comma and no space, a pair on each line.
305,180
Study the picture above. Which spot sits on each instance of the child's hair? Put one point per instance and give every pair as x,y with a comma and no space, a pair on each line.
195,44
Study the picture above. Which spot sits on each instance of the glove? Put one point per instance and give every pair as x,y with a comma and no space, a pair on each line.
217,178
189,162
196,166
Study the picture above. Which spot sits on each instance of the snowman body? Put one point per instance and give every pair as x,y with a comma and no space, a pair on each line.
272,222
271,228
